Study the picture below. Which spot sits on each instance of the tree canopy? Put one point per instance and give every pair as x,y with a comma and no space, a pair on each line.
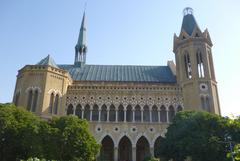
24,135
199,135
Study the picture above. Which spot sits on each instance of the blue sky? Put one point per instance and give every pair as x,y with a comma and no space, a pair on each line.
118,32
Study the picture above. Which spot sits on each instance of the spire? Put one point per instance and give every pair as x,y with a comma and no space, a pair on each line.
189,22
81,46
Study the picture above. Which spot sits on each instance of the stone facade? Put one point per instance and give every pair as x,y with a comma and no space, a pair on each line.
127,113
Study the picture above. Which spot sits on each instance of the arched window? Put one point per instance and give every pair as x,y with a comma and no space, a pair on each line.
163,114
179,108
207,104
146,114
104,113
188,68
120,113
95,113
17,98
129,114
78,111
55,109
171,113
87,112
70,109
35,100
29,100
154,114
202,102
112,113
211,65
50,108
200,66
138,113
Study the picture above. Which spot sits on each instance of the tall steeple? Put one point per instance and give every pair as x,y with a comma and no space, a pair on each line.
81,46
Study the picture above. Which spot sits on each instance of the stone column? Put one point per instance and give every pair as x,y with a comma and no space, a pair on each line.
91,113
133,120
134,153
99,117
150,114
115,153
141,115
152,151
125,115
74,110
167,115
107,115
159,120
82,112
116,118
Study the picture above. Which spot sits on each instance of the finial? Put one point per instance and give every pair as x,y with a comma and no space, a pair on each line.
187,11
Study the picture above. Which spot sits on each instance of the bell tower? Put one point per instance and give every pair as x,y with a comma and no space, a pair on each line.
194,65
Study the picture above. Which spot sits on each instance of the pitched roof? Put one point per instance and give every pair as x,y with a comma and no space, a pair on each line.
189,23
127,73
48,61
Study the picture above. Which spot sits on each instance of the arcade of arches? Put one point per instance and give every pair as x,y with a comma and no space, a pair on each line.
126,150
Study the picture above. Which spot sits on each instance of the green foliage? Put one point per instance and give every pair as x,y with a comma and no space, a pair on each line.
24,135
150,158
198,134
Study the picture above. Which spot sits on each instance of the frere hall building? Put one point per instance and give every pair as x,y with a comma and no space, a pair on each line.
128,107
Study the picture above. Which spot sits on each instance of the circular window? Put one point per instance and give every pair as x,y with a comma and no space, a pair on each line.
203,87
134,129
151,129
98,129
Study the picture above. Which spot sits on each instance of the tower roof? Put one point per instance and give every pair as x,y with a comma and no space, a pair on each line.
82,34
189,22
48,61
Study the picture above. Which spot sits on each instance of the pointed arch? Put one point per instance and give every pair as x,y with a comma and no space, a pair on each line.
107,148
50,107
187,64
142,148
200,66
70,109
78,111
171,113
104,113
179,108
155,113
120,113
56,103
95,113
157,144
129,113
87,112
125,149
112,113
146,113
29,100
138,115
163,114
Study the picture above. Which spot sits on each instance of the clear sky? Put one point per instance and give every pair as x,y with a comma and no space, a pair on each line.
118,32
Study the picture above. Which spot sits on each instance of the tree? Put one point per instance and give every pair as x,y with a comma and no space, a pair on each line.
18,133
197,135
72,139
24,135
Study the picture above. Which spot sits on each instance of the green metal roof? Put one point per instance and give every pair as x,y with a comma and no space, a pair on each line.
48,61
123,73
189,23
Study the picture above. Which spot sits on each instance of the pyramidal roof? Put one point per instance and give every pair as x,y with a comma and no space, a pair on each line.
48,61
189,22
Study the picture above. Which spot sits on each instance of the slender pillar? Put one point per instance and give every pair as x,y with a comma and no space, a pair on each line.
167,116
141,115
134,153
115,153
83,113
108,115
133,115
74,110
99,113
150,113
125,115
159,120
152,151
91,114
116,118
